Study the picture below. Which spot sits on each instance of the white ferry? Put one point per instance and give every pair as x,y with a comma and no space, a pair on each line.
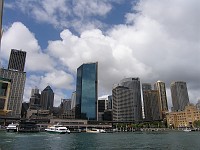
94,130
58,129
12,127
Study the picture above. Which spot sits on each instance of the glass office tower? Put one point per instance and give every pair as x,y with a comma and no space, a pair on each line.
86,91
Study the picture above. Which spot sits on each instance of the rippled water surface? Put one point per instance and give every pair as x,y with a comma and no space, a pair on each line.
104,141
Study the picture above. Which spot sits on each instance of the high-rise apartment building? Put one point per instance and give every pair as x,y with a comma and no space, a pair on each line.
17,60
160,87
179,94
86,91
16,91
127,100
102,106
47,98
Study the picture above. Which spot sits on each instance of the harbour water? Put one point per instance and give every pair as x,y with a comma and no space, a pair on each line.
102,141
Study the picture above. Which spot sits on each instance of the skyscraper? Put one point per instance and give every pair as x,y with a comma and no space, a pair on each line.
160,87
127,100
152,106
35,99
134,85
86,91
16,91
17,60
47,98
123,104
179,95
146,101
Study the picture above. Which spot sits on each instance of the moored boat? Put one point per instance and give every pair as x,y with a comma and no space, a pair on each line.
94,130
12,127
58,129
187,130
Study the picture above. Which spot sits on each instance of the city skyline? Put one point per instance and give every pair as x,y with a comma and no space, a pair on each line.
129,38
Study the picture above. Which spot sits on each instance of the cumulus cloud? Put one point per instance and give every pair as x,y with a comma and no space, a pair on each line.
42,69
160,41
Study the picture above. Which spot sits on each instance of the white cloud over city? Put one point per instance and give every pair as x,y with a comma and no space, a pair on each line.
159,42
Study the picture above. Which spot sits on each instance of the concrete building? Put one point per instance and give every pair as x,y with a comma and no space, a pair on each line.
179,95
47,99
134,85
17,60
160,87
183,118
16,91
86,91
5,85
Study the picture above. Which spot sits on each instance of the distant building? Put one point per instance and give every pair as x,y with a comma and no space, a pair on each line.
160,87
198,105
146,86
35,99
102,106
134,85
86,91
179,95
73,99
17,60
5,85
183,118
152,106
16,91
123,104
109,102
25,107
47,99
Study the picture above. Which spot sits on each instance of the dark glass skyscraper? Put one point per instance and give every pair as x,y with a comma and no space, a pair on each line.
17,60
86,91
47,98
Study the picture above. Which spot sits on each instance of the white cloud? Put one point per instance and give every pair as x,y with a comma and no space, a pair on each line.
160,42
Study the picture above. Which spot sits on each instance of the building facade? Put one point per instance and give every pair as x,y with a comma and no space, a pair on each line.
16,91
134,85
102,106
123,104
87,92
179,95
152,105
47,99
35,99
5,85
183,118
17,60
160,87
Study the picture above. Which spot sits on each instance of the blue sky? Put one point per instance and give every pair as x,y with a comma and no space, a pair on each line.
150,39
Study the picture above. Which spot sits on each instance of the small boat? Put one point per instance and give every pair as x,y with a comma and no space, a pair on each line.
12,127
58,129
187,130
94,130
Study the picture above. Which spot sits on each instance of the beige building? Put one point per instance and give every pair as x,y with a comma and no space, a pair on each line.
183,118
5,85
